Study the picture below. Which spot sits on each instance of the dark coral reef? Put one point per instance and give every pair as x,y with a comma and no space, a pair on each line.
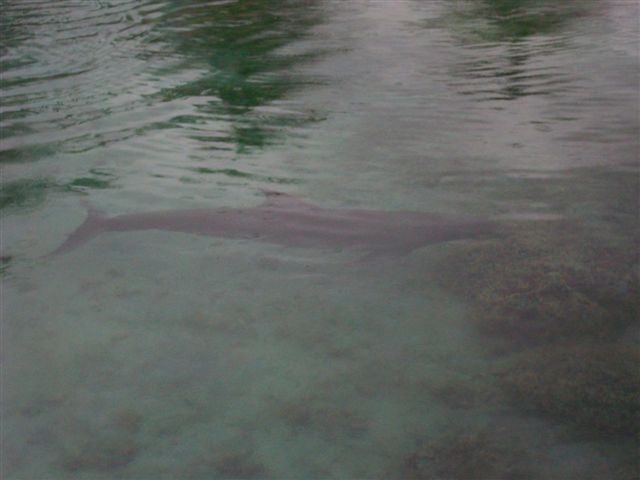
559,301
546,282
467,456
592,387
239,464
101,455
330,422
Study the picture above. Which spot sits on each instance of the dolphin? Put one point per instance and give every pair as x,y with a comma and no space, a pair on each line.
287,220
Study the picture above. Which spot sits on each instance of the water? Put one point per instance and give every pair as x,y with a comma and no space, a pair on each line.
154,354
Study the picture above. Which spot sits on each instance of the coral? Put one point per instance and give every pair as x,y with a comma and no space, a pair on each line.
239,465
336,422
629,470
127,420
467,456
297,416
330,422
588,386
546,282
102,455
459,394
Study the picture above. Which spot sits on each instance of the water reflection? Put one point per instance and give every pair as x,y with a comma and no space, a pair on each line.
82,75
548,67
243,47
513,46
516,20
68,68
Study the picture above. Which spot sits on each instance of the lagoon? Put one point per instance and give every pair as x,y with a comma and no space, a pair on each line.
158,354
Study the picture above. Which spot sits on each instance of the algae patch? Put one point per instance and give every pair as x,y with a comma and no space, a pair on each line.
588,386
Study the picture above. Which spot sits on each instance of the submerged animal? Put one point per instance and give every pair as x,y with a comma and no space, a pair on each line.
286,220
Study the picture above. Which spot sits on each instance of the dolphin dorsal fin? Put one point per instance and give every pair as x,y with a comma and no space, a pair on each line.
283,200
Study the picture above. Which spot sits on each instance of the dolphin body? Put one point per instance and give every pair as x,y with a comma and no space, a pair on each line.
286,220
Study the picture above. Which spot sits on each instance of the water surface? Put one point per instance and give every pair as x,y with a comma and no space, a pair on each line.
148,355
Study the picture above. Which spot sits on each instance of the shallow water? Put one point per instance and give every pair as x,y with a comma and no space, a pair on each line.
155,354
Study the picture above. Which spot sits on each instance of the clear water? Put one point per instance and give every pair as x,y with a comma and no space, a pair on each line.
155,354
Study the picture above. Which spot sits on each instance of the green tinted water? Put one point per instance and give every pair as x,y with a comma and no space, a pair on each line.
149,355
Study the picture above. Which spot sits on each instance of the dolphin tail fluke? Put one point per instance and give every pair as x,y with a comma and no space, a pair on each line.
95,223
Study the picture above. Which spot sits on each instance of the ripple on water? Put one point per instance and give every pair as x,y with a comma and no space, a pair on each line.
78,64
242,358
80,75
